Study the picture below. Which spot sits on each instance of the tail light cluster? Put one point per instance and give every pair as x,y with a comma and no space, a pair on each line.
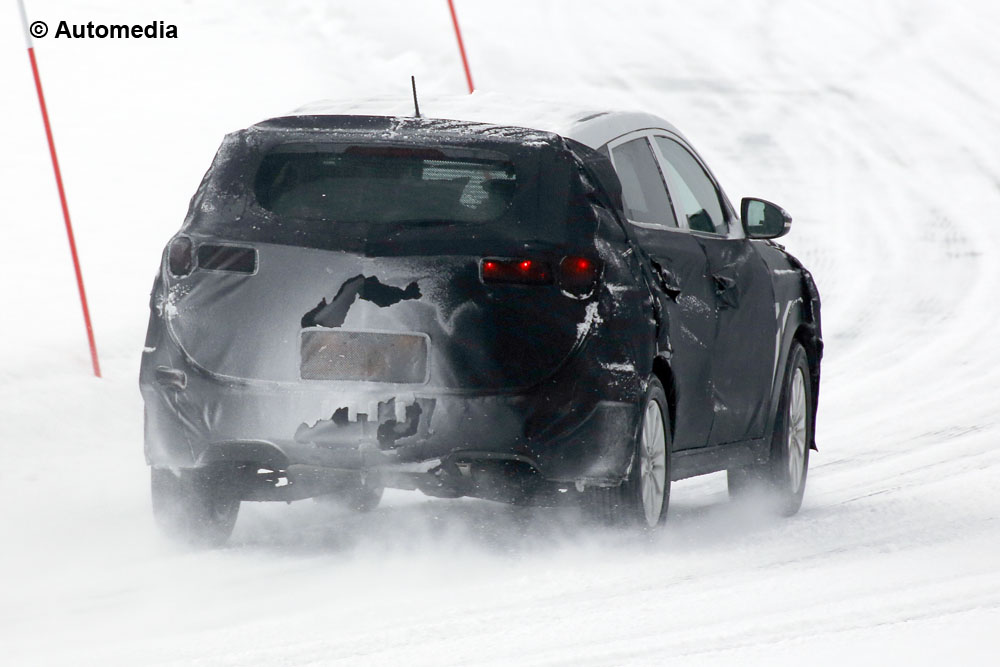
576,274
518,271
182,258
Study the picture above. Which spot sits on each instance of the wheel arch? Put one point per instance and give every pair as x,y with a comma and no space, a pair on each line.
808,337
802,328
665,374
804,325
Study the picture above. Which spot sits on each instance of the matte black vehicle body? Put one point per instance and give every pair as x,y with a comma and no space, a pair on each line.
442,378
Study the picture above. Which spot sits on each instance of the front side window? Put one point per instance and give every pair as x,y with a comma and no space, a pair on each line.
693,190
643,192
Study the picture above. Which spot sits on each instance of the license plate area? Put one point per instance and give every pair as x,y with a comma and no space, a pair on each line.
364,356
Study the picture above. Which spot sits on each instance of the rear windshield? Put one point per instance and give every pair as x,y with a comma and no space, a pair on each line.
381,198
384,185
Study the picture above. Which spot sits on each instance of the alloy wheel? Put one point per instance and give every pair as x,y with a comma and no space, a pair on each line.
796,432
653,463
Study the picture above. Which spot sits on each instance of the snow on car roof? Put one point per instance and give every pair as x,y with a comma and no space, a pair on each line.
591,127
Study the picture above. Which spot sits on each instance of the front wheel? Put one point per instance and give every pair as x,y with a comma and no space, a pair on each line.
783,476
198,507
643,497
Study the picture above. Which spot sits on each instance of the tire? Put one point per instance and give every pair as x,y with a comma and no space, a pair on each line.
364,496
782,479
196,507
641,500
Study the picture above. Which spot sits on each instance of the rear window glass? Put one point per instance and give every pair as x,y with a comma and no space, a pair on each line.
365,184
419,190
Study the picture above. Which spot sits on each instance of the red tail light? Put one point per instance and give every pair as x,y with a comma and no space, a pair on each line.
517,271
579,274
180,256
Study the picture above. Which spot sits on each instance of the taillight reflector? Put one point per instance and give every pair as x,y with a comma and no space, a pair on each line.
227,258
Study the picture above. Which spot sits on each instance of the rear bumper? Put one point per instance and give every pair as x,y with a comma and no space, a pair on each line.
410,438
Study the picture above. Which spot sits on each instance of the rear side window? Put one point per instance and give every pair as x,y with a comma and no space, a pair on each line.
692,188
366,184
643,192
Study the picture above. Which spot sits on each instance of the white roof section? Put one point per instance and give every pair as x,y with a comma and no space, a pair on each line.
591,127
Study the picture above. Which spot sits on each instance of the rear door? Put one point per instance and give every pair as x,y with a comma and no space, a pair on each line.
744,345
686,302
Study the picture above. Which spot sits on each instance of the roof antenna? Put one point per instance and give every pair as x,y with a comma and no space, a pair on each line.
416,106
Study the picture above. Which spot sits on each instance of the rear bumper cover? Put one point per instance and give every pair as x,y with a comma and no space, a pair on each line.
360,428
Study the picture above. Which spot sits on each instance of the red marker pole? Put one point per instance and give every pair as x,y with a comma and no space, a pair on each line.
461,46
42,29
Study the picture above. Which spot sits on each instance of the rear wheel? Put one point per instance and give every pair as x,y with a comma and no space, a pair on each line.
783,477
363,496
366,496
198,507
642,499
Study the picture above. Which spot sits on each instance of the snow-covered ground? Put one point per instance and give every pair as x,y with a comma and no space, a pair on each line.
875,122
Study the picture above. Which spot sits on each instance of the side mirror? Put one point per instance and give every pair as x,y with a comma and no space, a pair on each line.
764,220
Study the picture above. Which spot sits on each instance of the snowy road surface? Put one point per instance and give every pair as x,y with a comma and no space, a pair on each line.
875,123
